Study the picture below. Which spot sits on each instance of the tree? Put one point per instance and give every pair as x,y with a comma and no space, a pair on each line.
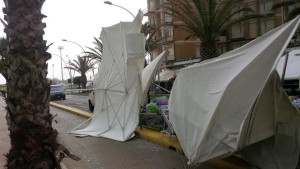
285,4
207,19
96,53
82,65
150,31
3,53
76,80
33,140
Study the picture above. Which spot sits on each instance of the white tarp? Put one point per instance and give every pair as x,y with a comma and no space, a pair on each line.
117,88
216,107
165,75
150,70
293,65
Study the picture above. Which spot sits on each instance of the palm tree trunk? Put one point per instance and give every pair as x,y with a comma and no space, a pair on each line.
208,49
33,140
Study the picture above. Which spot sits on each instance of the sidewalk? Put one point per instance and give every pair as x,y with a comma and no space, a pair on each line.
4,134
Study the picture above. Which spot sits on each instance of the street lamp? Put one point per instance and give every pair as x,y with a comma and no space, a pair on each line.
69,70
62,74
65,40
110,3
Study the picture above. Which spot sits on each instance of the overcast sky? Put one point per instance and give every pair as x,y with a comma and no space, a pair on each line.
78,21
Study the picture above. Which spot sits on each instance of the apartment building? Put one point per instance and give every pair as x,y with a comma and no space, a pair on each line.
184,51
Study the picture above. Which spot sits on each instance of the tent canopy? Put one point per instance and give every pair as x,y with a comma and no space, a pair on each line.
225,104
117,86
122,83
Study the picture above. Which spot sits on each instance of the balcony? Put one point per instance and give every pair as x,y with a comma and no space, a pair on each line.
162,3
221,39
166,40
150,11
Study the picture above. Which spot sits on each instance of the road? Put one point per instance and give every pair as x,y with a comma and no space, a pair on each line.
76,101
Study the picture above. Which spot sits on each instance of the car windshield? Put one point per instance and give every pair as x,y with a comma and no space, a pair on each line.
56,88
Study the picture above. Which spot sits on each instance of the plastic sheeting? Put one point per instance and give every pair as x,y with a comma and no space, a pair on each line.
216,107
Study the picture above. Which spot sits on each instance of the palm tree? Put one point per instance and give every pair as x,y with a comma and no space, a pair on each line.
96,53
284,4
33,140
3,53
82,65
150,31
207,19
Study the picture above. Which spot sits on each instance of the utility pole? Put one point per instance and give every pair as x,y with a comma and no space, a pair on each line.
62,73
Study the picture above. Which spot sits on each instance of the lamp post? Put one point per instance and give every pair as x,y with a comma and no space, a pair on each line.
71,77
53,72
65,40
110,3
61,60
69,70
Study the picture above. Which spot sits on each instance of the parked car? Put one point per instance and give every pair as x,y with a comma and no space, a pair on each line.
91,99
89,85
57,92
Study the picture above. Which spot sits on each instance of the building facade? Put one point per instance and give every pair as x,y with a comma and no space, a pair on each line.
184,51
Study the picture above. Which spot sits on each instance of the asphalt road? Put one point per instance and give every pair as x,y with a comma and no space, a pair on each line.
76,101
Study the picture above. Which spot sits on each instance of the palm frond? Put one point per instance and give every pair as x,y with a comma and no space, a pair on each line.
293,14
284,4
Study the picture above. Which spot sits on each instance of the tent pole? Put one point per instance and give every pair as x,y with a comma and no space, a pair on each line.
284,68
162,88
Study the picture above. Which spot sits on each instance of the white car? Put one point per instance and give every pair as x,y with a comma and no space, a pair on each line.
91,100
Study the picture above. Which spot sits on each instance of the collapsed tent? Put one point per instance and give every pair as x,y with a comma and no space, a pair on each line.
233,102
121,85
118,88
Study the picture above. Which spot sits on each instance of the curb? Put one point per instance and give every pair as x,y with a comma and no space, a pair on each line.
72,110
166,140
169,141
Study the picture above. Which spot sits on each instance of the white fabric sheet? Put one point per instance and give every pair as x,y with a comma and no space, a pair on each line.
165,75
150,70
211,102
117,88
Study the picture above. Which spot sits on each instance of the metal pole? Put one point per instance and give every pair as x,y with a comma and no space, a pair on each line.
62,74
284,68
53,71
65,40
110,3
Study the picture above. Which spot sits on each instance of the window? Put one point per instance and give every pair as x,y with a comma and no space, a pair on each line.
237,30
151,5
265,6
252,29
222,48
168,18
266,25
252,6
238,15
